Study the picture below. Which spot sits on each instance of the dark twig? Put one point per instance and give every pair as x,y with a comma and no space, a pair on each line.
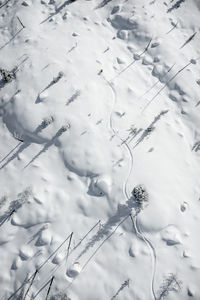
43,287
98,248
44,263
7,217
176,5
10,152
40,267
162,77
75,247
127,67
50,285
5,3
188,40
153,98
70,239
58,10
85,236
174,26
30,285
20,22
16,69
71,49
103,3
131,217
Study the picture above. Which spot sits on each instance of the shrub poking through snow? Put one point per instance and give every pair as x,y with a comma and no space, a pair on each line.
125,284
140,196
60,296
65,127
47,121
3,201
149,130
16,204
6,75
170,284
25,195
196,146
59,76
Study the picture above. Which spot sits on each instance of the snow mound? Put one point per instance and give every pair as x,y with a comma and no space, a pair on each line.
74,270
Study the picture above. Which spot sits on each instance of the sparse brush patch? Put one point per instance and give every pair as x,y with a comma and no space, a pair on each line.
125,284
74,97
149,130
170,284
3,201
25,195
60,296
140,196
7,76
15,205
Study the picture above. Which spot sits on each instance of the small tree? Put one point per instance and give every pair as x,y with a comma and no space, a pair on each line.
140,196
7,76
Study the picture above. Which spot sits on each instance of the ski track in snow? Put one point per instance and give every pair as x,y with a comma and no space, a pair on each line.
127,196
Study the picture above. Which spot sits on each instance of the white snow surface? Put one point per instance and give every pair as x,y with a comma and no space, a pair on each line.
105,98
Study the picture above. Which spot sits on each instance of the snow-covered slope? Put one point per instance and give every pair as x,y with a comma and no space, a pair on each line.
103,96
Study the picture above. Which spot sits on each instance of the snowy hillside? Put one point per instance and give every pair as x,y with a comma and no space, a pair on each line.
99,149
